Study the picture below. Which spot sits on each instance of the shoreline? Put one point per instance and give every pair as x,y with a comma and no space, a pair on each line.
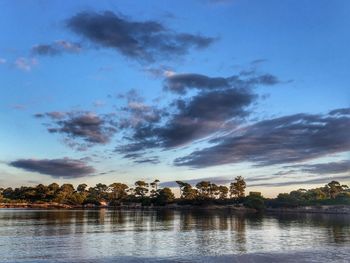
326,209
124,207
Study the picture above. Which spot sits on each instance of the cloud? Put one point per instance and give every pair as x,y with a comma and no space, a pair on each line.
25,64
151,160
324,168
52,115
158,72
132,150
145,41
56,48
286,172
3,61
288,139
56,115
81,129
139,119
323,180
344,111
216,105
66,168
180,83
204,114
185,121
137,112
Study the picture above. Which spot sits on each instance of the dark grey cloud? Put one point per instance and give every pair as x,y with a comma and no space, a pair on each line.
138,157
137,118
323,180
204,114
324,168
137,112
66,168
217,105
344,111
180,83
150,160
143,41
288,139
133,149
191,119
56,48
286,172
81,129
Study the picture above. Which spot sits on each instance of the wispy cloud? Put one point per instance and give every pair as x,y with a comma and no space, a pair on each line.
56,48
25,64
324,168
180,83
323,180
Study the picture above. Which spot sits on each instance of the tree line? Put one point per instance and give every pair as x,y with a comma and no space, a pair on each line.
331,194
118,193
145,194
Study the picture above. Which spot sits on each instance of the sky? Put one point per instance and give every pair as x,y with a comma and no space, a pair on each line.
119,91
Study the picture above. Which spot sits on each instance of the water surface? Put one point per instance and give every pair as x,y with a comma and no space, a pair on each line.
171,236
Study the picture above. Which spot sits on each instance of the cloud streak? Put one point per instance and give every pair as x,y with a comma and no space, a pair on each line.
65,168
288,139
324,168
56,48
322,180
180,83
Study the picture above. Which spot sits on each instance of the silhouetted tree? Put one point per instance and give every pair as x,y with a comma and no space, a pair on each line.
214,191
189,193
118,190
154,190
203,189
164,196
82,188
237,187
223,191
141,189
334,188
182,185
64,193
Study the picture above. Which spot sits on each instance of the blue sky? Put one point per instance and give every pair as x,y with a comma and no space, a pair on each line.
105,91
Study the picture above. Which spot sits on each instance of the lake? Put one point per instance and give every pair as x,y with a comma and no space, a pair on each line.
171,236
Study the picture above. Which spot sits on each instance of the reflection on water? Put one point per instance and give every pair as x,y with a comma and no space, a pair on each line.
82,235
